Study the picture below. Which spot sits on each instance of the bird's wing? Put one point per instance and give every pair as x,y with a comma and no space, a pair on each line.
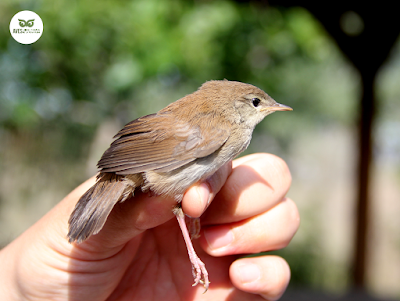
163,143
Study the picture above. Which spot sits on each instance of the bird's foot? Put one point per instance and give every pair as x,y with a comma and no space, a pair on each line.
199,271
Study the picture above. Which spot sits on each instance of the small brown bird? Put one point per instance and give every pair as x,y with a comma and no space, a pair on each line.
169,151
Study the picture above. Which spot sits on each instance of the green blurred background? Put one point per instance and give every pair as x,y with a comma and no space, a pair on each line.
100,64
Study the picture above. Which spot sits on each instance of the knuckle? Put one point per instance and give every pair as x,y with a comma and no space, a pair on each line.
274,168
294,214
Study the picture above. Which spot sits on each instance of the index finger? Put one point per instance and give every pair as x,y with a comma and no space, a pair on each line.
257,183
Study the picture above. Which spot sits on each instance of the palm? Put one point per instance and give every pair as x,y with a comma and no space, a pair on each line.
155,266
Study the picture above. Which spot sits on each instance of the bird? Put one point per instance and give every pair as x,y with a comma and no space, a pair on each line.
169,151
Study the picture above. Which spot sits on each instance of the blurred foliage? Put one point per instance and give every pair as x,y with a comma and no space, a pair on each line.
120,59
95,56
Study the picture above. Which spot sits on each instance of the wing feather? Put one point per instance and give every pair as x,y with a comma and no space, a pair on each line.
161,142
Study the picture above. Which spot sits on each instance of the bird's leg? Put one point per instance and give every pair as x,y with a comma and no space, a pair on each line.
199,271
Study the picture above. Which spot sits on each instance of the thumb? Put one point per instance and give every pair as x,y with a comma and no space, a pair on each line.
126,220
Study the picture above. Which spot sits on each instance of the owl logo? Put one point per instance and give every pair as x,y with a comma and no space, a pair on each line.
24,23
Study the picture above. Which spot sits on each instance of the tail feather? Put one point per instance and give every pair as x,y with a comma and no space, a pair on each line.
93,208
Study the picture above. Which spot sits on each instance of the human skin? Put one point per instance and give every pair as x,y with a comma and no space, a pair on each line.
140,253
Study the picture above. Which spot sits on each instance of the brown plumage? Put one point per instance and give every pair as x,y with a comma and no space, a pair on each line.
169,151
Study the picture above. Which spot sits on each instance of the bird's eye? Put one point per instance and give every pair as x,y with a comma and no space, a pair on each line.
256,101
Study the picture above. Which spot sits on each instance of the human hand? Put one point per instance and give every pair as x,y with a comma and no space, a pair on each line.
140,253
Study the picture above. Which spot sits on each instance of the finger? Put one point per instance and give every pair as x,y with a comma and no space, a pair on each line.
256,183
59,215
142,212
268,231
198,197
244,159
267,276
126,220
132,217
55,236
137,214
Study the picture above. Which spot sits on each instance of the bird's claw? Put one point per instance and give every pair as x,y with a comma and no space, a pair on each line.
200,273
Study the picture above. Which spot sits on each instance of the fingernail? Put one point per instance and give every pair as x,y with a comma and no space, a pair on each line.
249,272
218,238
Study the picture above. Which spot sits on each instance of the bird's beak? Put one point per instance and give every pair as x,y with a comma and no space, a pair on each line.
277,107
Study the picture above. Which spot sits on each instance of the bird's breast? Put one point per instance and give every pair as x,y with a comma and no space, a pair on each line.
174,183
